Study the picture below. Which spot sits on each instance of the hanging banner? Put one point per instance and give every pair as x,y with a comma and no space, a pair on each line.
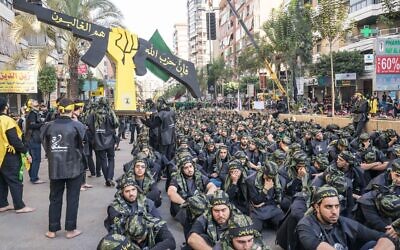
18,81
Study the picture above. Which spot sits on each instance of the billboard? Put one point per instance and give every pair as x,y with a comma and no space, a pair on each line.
18,81
388,64
387,82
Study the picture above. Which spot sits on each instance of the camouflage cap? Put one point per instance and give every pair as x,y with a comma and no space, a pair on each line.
127,180
347,156
390,132
343,142
322,160
270,169
235,164
135,227
396,150
336,179
323,192
395,167
364,136
241,225
396,226
300,158
388,204
278,155
286,140
219,198
295,147
370,157
115,242
240,154
197,204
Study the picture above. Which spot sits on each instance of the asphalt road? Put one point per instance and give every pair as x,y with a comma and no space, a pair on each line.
26,231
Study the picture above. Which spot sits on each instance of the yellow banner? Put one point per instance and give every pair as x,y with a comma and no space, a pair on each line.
97,92
18,81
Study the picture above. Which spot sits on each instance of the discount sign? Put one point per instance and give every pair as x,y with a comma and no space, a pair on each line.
388,64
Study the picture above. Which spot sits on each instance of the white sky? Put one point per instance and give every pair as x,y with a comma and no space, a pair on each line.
143,17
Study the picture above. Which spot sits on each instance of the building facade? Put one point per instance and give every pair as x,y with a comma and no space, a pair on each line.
232,36
181,41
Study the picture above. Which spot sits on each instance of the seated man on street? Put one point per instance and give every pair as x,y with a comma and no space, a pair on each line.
148,232
265,193
185,183
324,228
142,175
129,200
242,235
209,228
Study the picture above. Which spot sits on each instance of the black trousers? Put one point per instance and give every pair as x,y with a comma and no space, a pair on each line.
57,188
9,172
359,127
106,159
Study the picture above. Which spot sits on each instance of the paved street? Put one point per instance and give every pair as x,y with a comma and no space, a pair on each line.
26,231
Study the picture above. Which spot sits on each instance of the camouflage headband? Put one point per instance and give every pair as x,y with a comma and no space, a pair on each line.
114,242
136,227
219,198
241,225
396,166
324,192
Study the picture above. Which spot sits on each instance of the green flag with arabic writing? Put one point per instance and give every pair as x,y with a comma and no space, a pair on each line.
158,43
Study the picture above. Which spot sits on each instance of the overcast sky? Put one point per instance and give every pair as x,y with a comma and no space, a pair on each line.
143,17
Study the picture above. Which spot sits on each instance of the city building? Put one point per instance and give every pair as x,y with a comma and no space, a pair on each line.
232,36
368,32
201,50
181,41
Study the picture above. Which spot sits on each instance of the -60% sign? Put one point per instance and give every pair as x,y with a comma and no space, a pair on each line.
388,64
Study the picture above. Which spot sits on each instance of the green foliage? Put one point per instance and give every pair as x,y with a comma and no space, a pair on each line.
341,63
392,12
174,90
329,17
47,79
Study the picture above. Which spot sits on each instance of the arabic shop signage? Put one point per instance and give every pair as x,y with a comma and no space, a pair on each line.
18,81
387,46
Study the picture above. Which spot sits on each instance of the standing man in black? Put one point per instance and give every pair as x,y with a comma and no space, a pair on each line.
63,142
164,122
102,123
32,138
11,149
360,111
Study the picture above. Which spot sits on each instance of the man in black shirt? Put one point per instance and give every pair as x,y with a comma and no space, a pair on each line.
323,228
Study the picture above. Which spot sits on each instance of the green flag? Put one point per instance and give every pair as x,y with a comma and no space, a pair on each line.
158,43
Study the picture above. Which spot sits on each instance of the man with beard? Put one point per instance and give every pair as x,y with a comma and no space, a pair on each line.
236,187
128,200
242,236
207,157
254,153
242,146
324,228
208,229
220,165
265,195
102,123
186,182
145,181
386,140
346,163
380,206
151,109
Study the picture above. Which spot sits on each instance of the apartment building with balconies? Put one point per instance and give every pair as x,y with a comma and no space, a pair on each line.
181,41
232,36
201,50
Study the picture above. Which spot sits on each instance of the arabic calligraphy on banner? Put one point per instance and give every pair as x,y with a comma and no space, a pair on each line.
169,61
74,23
18,81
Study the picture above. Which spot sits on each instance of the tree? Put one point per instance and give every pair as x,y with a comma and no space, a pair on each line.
289,35
341,63
392,12
328,21
102,12
219,72
47,81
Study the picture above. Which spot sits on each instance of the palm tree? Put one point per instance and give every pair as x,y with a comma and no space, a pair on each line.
102,12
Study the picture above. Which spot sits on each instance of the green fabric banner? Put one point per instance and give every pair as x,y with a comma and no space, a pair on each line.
158,43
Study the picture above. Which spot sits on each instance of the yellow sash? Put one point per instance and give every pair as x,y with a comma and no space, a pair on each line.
7,123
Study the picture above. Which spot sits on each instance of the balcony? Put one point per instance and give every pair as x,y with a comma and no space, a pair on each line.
365,9
359,42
